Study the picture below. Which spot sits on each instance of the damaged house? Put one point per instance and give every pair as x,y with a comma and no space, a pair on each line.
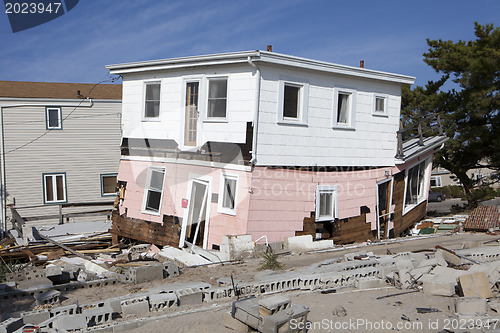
268,145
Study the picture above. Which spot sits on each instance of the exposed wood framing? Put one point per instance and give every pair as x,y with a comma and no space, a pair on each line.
352,229
403,223
148,232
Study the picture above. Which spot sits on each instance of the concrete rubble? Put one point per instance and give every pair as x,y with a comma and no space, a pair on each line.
470,276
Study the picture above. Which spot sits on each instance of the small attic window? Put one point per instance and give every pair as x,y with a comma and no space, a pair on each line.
53,117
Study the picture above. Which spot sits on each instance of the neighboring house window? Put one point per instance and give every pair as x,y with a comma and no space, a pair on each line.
436,181
152,100
154,190
108,184
292,106
326,202
344,108
53,116
380,105
217,98
227,201
415,184
54,186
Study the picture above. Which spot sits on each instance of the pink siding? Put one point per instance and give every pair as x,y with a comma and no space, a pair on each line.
176,188
282,198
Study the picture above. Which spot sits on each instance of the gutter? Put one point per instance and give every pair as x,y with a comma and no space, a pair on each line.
3,187
253,161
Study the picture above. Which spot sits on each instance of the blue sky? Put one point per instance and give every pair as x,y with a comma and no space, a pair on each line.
389,35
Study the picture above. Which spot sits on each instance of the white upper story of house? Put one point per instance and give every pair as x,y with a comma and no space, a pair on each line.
303,112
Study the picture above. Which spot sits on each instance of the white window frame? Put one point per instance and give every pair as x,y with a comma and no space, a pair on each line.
144,118
438,180
327,189
54,187
302,106
426,184
207,118
222,189
350,125
59,115
376,112
147,188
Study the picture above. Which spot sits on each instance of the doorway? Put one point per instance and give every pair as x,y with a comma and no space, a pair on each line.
384,203
195,223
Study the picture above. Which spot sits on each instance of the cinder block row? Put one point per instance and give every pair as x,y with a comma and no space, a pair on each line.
98,315
159,302
35,317
136,306
10,325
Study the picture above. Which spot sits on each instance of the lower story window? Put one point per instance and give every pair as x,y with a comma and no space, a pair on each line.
415,184
326,202
54,187
436,181
227,203
154,189
108,184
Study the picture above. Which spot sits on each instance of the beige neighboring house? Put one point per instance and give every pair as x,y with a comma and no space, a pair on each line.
61,145
441,177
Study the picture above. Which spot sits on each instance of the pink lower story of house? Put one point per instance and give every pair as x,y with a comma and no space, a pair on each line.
270,202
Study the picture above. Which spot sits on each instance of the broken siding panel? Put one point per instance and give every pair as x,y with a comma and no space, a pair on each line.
319,132
86,147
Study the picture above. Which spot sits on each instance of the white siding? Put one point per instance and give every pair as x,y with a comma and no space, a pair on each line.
87,146
372,142
240,104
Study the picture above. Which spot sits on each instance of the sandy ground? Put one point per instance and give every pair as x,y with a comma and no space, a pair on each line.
365,313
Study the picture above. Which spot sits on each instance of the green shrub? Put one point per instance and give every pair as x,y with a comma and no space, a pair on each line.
270,261
451,191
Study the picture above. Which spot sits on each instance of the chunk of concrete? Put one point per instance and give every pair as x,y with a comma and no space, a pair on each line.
370,283
35,317
48,297
471,305
475,284
189,296
271,305
135,307
159,302
450,258
11,325
247,311
439,288
70,322
236,247
145,273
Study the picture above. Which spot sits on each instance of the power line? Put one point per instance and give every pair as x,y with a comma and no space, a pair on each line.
69,114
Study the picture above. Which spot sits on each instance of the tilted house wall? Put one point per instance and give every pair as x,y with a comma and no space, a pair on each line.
313,170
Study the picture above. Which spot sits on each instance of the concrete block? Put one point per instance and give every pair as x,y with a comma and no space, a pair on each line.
68,309
159,302
247,311
471,244
370,282
189,296
35,317
48,297
137,306
475,284
433,262
52,270
145,273
271,305
450,258
236,247
11,325
98,315
235,324
70,322
471,305
278,322
170,269
439,288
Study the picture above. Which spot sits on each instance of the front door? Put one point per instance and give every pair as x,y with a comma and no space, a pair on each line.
191,125
384,208
194,224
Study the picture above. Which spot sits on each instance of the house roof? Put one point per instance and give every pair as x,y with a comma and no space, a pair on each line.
256,56
22,89
412,147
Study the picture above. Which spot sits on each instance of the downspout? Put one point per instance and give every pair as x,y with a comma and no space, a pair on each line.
3,187
253,161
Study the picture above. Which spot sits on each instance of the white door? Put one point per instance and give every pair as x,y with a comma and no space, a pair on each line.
195,222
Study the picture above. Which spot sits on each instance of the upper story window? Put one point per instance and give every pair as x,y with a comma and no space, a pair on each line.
344,102
380,105
53,117
292,104
217,98
152,100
